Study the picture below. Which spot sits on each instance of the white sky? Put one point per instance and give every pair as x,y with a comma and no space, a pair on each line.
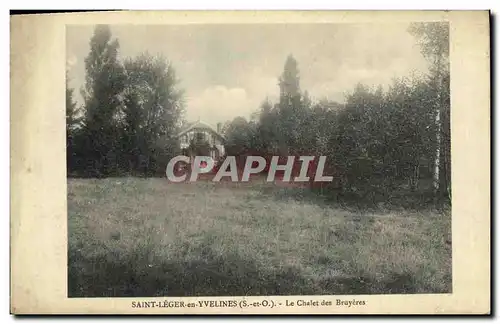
228,70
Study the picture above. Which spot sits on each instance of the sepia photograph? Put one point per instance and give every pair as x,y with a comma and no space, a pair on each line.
241,162
306,159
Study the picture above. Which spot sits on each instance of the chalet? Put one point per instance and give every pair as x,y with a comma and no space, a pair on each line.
200,138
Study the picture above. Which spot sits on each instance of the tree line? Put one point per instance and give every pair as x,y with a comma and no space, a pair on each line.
131,111
381,145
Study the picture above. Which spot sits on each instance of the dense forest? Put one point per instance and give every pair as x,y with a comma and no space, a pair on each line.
382,145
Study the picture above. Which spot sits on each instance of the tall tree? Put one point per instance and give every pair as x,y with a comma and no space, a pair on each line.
104,82
289,81
291,108
433,38
152,107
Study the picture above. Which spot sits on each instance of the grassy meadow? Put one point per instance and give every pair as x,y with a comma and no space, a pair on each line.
148,237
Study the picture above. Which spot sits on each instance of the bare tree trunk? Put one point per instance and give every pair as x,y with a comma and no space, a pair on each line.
446,177
437,160
446,165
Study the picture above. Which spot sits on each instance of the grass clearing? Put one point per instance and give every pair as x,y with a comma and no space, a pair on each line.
148,237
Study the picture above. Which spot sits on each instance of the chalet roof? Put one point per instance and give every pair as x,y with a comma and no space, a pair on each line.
197,125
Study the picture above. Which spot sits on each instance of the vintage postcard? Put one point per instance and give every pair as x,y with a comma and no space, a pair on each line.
314,162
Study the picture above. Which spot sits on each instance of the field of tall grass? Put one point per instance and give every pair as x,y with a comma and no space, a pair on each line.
148,237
